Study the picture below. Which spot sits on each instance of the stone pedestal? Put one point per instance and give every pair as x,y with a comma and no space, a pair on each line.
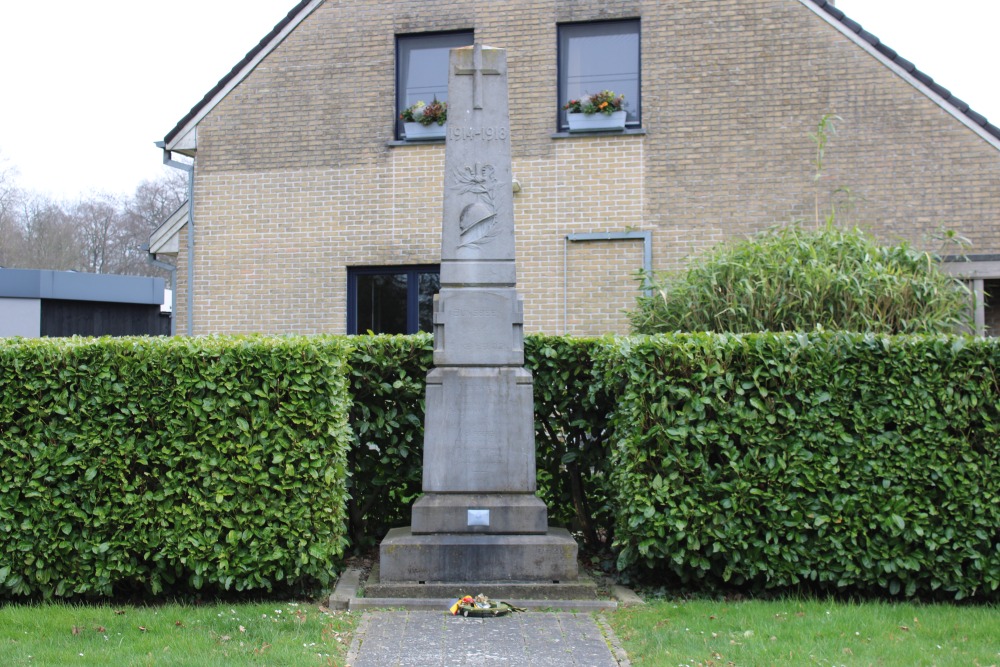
457,557
472,513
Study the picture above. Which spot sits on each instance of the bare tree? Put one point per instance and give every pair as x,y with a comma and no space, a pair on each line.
48,236
155,200
10,235
152,203
100,233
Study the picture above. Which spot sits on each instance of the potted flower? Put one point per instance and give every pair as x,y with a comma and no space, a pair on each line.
425,121
601,111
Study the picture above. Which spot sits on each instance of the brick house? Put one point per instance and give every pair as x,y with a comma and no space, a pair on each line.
311,212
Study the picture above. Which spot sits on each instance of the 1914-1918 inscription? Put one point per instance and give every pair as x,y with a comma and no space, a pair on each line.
479,133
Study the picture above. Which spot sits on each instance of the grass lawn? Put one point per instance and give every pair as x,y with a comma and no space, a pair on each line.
700,633
807,632
272,633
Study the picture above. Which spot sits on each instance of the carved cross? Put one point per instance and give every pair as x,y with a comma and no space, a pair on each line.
477,73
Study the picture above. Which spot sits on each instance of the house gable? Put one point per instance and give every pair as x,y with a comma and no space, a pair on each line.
183,137
301,180
906,69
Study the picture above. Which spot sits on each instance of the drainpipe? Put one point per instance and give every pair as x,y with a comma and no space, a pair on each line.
170,268
189,168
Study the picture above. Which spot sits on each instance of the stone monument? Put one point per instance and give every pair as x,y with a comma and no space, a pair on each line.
479,519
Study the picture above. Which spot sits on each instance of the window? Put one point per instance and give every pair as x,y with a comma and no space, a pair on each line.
422,68
391,299
600,56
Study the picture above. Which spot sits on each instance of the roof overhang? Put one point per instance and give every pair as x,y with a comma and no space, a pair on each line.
976,267
165,239
905,69
183,138
73,286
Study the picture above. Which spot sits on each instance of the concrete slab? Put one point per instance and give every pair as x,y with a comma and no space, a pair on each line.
583,588
443,604
346,588
394,638
626,597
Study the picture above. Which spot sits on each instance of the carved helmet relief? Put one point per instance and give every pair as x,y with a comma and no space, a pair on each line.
478,222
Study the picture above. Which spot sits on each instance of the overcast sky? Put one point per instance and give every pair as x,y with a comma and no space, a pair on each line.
87,87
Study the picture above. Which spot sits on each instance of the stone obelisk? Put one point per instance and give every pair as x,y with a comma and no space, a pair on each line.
479,519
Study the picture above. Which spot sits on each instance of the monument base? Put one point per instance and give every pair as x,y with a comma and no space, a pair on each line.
486,513
449,557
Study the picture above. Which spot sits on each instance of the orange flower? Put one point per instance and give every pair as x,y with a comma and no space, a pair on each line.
603,105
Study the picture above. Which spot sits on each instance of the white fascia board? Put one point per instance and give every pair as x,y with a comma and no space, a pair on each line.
187,143
184,133
909,78
164,238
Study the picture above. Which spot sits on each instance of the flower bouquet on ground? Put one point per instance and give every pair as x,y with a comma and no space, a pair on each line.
481,606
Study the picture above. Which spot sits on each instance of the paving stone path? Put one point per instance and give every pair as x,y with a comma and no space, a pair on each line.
529,639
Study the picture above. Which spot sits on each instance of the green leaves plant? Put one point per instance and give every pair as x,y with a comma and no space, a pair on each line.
144,465
832,462
791,278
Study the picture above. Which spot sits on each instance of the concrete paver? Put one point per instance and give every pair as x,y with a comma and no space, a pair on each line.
425,638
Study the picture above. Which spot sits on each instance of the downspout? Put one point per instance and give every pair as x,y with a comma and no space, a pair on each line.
151,258
189,168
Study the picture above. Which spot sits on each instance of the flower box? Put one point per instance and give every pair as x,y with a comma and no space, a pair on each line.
418,132
596,122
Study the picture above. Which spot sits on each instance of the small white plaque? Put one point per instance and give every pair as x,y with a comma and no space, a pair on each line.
479,517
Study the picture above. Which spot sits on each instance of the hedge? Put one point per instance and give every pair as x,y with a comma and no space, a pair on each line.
826,462
146,465
387,378
831,462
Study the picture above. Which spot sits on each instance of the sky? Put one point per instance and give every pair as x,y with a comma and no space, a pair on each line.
88,87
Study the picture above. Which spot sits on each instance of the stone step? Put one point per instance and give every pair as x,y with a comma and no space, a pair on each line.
582,589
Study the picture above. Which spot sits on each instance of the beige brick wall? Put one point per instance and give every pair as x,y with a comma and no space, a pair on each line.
296,177
600,285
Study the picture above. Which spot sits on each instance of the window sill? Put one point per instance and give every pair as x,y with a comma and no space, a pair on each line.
599,133
411,142
636,131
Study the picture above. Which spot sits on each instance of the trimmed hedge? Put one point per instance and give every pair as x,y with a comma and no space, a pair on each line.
387,380
833,462
827,462
571,436
142,465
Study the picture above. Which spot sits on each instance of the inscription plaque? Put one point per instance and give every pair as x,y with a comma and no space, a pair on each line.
479,518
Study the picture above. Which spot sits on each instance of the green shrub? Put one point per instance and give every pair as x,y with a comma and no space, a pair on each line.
388,378
795,279
152,465
571,436
834,462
